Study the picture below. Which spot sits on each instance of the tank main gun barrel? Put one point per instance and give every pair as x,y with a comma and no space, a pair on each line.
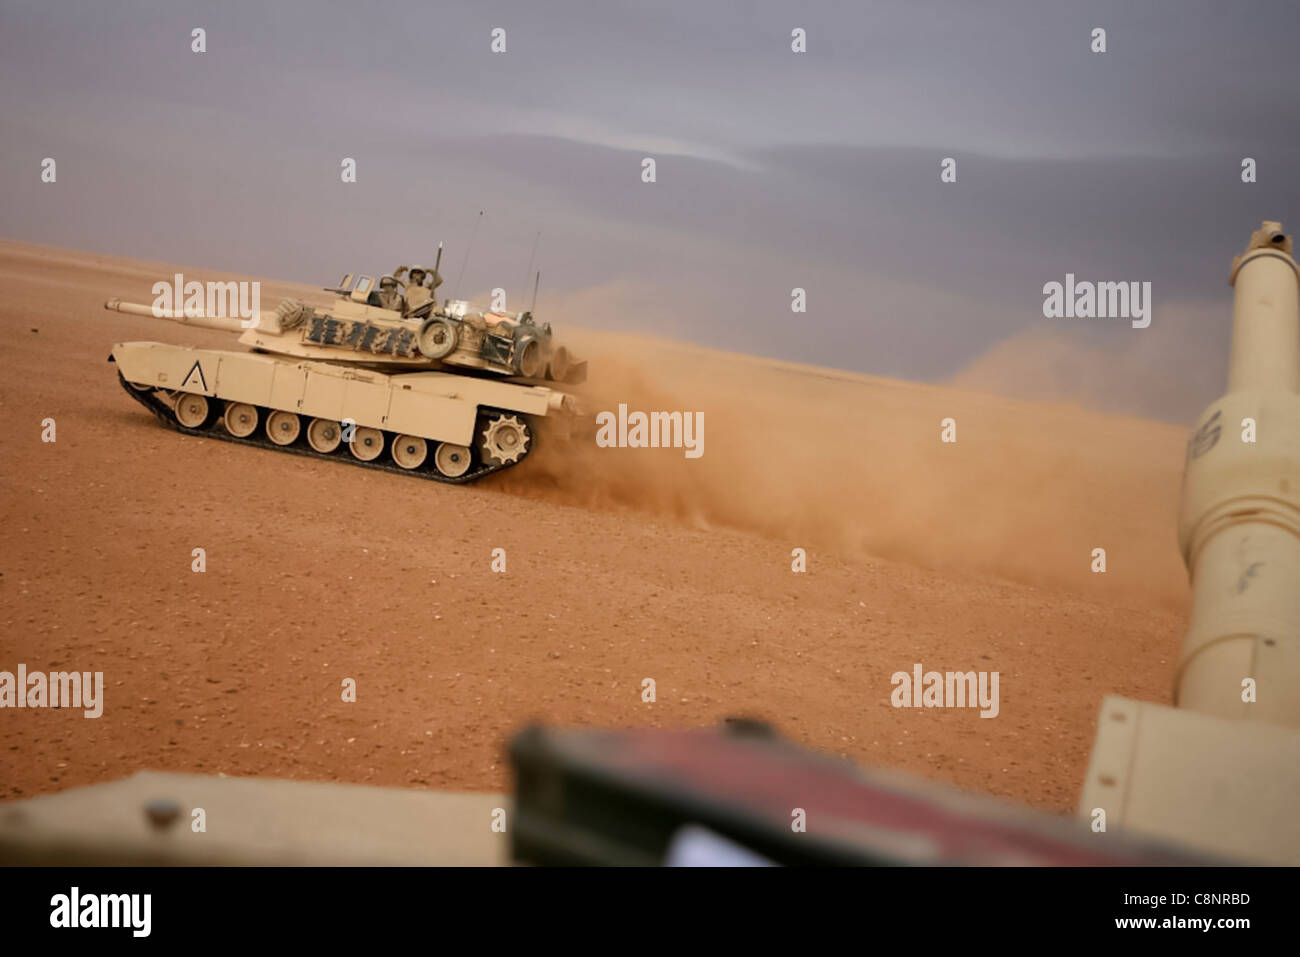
224,323
1239,526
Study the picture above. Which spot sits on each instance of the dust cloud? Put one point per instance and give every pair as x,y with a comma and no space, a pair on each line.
823,459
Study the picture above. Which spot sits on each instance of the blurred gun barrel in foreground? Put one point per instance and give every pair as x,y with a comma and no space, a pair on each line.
1221,771
1240,523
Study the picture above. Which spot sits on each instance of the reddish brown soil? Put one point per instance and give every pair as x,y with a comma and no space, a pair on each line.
622,565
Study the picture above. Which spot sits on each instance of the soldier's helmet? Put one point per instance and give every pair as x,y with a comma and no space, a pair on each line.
387,282
417,274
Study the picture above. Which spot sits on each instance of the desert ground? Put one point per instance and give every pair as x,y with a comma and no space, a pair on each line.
622,564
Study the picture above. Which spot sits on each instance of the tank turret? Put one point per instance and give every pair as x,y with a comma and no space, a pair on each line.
357,328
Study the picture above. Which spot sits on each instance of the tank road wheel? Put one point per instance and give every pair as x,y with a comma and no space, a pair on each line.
324,435
191,410
437,338
452,461
528,362
240,419
367,444
282,427
505,440
409,451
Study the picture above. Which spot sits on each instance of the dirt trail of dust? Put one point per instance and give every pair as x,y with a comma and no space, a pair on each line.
817,457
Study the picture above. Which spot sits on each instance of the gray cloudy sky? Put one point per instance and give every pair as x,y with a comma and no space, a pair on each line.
775,170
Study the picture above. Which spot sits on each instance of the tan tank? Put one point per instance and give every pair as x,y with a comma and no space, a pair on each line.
451,394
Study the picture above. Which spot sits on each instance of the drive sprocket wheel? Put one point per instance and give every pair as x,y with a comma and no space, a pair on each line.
505,440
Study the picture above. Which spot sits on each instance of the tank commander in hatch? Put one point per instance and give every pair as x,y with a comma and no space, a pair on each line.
389,297
417,292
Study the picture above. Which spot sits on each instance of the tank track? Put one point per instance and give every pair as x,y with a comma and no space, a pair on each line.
216,430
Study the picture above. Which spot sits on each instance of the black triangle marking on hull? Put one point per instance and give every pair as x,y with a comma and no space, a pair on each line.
202,380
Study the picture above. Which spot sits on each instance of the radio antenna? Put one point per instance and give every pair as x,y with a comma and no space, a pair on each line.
531,258
472,234
536,282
